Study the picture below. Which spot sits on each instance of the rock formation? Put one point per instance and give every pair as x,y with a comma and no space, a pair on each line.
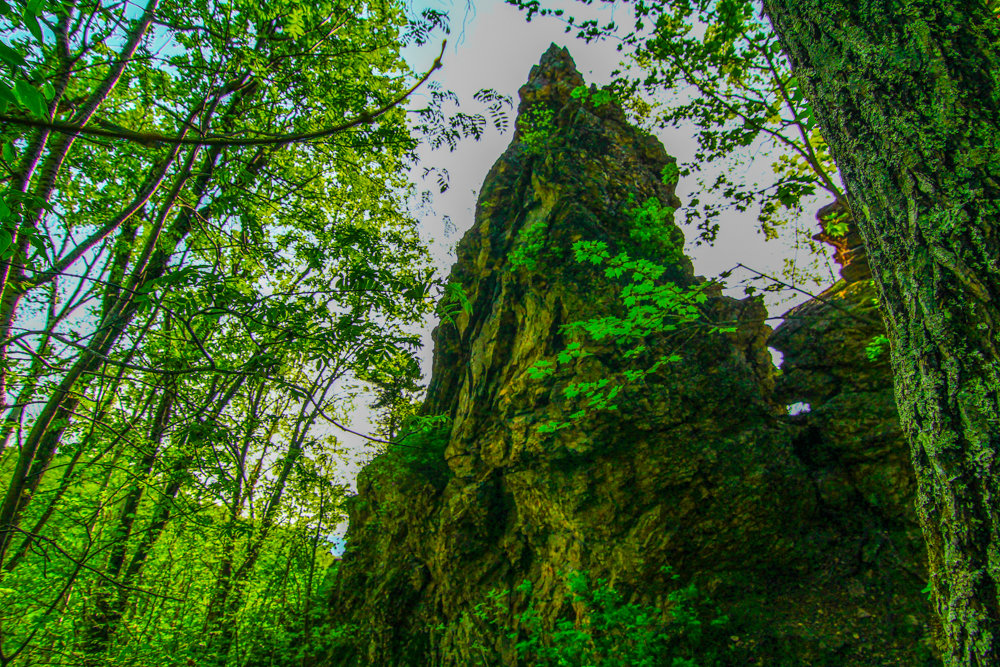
795,531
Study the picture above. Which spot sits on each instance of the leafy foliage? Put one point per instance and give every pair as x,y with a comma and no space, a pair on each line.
440,128
836,225
529,245
536,126
876,347
206,255
454,303
652,228
651,306
598,97
605,630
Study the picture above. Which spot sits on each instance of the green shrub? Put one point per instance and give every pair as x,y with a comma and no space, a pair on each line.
670,174
651,227
537,125
605,631
528,245
876,347
598,97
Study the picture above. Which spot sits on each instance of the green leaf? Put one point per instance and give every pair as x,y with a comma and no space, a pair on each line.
30,98
458,292
37,241
31,21
11,56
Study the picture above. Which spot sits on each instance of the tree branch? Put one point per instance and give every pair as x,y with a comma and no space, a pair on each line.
153,138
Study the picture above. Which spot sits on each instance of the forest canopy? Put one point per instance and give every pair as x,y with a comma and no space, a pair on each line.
205,249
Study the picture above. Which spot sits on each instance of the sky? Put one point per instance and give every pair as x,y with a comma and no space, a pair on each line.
492,46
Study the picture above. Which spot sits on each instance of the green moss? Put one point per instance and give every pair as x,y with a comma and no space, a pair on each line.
651,226
537,126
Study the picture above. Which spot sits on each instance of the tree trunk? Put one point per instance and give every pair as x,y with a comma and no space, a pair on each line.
908,96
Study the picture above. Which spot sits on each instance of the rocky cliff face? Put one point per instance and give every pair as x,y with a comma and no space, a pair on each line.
794,534
837,371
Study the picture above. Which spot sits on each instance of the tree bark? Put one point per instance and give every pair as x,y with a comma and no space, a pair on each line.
908,96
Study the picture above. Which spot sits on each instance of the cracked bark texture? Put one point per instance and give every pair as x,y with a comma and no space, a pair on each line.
908,96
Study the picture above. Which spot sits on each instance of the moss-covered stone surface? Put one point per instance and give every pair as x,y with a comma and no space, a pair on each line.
798,530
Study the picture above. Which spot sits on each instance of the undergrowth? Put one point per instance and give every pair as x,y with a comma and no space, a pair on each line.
600,629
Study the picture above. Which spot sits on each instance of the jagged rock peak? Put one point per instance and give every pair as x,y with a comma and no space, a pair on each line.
552,80
788,537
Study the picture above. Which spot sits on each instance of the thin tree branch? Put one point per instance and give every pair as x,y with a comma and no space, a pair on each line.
860,318
153,138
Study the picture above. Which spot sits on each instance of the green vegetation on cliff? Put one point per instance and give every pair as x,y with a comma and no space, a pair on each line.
603,631
608,411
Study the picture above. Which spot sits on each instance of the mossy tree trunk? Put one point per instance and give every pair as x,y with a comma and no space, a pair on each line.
908,95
